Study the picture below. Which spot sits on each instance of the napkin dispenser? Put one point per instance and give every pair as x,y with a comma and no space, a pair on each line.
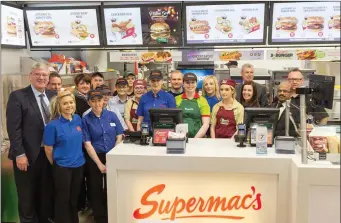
285,144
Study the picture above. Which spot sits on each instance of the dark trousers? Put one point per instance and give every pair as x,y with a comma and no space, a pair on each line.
35,190
98,190
84,195
67,184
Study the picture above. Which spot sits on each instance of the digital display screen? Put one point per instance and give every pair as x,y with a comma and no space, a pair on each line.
225,24
307,22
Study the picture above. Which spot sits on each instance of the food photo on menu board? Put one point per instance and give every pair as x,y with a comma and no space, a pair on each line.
123,26
214,24
69,27
161,25
12,26
305,22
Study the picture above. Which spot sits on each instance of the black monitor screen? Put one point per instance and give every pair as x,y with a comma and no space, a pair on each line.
322,90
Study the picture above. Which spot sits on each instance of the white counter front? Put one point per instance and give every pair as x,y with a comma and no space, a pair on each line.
214,181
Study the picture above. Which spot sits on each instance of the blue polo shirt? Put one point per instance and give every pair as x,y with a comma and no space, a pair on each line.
66,138
212,101
161,100
101,131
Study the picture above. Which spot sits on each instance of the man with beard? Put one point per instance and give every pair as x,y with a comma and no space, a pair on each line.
247,73
296,80
284,93
176,82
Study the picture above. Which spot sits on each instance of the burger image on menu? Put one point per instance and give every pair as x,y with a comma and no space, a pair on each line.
159,30
223,24
286,24
79,30
11,27
44,28
334,22
199,26
313,23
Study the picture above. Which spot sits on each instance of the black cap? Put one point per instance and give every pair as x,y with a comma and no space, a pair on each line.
190,77
121,81
103,88
94,93
128,73
232,63
155,75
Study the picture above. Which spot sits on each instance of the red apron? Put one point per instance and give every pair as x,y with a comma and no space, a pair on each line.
226,123
133,116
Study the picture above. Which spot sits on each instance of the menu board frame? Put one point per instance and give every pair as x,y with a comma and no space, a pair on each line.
184,11
270,42
143,45
11,45
99,26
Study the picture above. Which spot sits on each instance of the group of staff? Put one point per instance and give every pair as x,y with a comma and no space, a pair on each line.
51,148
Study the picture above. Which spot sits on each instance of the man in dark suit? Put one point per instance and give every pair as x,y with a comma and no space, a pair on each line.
284,93
247,73
27,114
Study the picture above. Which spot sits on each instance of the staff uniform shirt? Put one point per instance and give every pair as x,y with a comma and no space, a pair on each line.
131,104
101,131
212,101
149,100
116,102
65,137
238,111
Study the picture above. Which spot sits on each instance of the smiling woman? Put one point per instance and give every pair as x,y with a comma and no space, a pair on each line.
63,148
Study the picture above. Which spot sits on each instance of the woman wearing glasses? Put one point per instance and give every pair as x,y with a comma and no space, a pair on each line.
63,148
130,116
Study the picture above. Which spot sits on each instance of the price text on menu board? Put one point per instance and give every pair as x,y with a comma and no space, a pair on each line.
70,27
123,26
306,21
12,26
225,23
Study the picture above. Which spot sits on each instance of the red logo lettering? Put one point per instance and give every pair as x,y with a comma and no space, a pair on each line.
178,207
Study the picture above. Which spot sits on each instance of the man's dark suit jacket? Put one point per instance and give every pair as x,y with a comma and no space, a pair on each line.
25,125
261,94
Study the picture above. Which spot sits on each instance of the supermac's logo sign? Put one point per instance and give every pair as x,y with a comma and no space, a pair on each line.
196,207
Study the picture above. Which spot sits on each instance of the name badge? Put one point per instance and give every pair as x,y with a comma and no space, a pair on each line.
112,124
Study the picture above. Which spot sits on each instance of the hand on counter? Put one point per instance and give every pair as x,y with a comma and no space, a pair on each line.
22,163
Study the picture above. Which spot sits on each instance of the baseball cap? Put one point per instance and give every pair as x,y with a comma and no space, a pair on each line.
128,73
94,93
232,63
155,75
228,82
190,77
121,81
103,88
140,82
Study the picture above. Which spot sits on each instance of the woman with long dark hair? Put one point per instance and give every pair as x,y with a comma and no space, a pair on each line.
249,95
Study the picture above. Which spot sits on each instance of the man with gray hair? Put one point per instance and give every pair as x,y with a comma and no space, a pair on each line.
247,73
27,114
176,82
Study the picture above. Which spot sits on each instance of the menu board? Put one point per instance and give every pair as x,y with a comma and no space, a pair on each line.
294,22
63,27
224,24
12,26
123,26
161,25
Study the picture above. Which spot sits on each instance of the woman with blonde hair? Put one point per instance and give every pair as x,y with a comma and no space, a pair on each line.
210,90
63,147
228,113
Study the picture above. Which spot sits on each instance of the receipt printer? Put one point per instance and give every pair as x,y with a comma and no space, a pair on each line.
285,144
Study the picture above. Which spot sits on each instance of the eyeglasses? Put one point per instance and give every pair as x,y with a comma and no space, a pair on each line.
294,79
139,88
284,91
121,88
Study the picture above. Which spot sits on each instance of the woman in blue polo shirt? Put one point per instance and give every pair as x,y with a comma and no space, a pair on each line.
63,148
102,131
156,98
